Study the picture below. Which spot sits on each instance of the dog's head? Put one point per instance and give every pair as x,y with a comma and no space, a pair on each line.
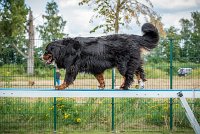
57,50
52,52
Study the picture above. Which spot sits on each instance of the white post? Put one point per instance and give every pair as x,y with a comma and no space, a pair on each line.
189,114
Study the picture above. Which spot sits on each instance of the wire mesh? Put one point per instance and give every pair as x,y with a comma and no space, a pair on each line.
35,115
92,115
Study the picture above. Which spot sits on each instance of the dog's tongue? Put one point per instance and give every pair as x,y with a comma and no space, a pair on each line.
48,61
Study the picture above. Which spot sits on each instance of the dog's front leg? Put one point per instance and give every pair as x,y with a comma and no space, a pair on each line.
100,79
70,76
62,86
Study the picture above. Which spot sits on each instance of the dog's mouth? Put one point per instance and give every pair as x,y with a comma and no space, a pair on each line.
48,58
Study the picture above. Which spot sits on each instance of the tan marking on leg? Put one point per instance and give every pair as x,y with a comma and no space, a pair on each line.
100,79
138,76
62,86
122,85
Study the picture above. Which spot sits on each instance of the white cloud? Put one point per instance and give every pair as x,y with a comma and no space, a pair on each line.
77,20
78,17
174,4
173,19
67,3
172,11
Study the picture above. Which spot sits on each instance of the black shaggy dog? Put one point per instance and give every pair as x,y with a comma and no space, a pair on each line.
96,54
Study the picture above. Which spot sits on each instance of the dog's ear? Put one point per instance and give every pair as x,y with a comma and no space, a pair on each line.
71,42
54,50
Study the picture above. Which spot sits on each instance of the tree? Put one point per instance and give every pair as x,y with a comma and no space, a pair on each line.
12,30
172,34
190,34
30,55
54,24
13,18
186,35
13,24
156,55
194,56
118,13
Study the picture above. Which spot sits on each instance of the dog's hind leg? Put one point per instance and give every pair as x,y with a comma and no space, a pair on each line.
132,65
140,77
122,85
122,70
140,73
100,79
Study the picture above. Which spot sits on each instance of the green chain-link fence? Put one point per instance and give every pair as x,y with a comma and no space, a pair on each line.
93,115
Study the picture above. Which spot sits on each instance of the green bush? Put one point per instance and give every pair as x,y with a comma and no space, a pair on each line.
154,73
159,112
44,72
8,72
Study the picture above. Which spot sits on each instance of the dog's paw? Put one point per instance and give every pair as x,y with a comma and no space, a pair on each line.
123,87
101,86
61,87
141,84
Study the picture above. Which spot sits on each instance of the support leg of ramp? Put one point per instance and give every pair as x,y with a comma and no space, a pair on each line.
189,113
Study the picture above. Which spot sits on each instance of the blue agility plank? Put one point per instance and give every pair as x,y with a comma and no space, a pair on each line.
109,93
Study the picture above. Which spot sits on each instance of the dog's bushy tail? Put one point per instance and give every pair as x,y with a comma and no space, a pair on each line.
151,37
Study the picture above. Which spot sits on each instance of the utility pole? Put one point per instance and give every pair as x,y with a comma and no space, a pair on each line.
31,43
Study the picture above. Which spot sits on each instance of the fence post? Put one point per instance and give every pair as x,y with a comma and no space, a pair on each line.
171,83
54,103
113,101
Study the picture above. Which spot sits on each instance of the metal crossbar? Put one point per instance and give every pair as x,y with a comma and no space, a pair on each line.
20,92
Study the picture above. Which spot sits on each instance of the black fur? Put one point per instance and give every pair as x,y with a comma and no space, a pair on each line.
96,54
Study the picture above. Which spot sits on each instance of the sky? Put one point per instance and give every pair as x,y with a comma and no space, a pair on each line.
78,17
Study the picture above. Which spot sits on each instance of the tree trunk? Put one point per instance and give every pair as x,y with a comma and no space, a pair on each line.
30,59
117,17
116,25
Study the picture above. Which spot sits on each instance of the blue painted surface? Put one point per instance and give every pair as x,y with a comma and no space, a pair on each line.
100,90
